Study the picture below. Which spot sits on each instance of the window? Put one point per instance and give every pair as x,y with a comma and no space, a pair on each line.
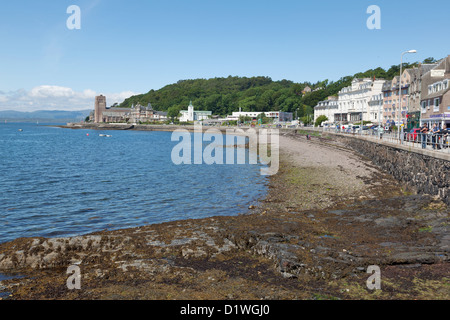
445,84
436,105
424,107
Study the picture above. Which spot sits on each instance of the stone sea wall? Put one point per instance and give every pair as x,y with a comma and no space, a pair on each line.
420,171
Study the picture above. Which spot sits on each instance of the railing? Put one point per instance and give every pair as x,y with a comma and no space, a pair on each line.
433,142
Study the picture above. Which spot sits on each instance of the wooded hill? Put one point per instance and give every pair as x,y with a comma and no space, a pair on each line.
223,96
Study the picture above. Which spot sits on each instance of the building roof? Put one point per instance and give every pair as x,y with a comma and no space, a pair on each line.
118,109
387,86
427,67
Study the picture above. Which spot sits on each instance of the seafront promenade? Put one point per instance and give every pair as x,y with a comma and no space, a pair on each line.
330,213
386,139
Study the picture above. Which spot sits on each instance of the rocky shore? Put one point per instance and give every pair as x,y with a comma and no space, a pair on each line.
329,214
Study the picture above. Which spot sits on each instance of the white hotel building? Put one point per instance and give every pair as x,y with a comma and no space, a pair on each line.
328,108
360,101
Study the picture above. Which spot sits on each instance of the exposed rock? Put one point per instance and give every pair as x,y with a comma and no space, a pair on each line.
320,228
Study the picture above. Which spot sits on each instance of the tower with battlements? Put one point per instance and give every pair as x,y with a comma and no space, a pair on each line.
100,107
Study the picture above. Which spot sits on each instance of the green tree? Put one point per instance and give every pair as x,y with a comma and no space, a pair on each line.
248,104
307,120
244,119
429,60
263,119
173,113
321,120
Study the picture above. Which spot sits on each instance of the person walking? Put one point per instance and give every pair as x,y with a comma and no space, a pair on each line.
424,133
434,137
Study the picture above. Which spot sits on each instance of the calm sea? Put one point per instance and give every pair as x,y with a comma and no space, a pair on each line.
60,182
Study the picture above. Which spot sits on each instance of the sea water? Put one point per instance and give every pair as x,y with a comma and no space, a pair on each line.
59,182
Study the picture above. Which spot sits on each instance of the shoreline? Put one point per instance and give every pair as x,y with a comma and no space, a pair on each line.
329,213
144,127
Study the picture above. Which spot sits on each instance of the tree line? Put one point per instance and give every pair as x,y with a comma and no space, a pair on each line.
223,96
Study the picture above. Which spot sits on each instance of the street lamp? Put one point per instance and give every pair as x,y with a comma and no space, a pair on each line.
400,89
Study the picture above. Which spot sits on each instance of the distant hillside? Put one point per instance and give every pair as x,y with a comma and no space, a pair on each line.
57,116
223,96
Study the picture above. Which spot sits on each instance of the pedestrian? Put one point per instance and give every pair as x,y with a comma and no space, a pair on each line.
434,137
438,137
424,134
381,132
444,137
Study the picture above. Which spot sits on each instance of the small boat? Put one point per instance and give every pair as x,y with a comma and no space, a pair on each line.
102,135
20,130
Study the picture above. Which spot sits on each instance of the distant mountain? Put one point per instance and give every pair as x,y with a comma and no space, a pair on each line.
42,115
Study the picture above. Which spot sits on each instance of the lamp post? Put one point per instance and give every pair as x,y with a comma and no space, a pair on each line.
400,90
379,111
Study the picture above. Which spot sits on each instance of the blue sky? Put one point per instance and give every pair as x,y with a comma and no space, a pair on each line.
127,47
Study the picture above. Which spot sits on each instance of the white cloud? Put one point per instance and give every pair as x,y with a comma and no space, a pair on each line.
51,92
48,97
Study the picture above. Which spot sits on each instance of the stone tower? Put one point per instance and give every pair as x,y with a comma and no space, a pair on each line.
100,107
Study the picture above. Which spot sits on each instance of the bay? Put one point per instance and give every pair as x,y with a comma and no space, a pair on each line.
59,183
